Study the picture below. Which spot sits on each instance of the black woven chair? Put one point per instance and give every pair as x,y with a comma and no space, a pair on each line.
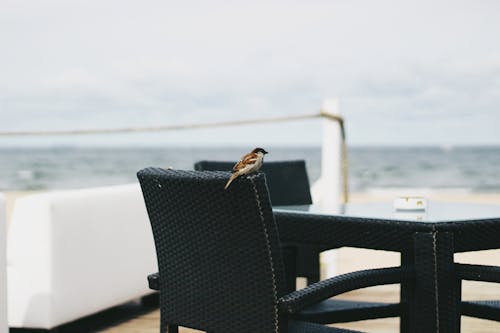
219,258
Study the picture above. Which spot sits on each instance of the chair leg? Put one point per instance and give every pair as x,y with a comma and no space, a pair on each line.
303,261
172,329
313,278
314,274
308,263
290,260
407,291
434,271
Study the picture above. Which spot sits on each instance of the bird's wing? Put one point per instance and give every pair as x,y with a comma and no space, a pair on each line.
246,160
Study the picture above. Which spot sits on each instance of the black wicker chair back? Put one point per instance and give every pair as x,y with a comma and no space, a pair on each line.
287,180
288,185
218,250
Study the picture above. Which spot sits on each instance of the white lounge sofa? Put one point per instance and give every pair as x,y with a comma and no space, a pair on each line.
74,253
3,264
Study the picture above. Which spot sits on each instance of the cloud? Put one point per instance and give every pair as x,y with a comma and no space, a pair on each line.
393,65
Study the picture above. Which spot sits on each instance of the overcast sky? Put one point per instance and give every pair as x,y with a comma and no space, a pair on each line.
419,72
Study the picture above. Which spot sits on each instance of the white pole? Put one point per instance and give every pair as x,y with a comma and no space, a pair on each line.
327,191
3,266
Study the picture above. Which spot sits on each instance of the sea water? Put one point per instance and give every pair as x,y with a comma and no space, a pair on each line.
474,169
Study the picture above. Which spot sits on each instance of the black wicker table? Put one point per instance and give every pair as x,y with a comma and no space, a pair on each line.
427,242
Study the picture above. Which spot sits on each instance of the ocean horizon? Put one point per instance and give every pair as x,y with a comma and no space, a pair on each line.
371,168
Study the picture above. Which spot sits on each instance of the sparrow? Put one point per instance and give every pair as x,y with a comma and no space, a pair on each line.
249,163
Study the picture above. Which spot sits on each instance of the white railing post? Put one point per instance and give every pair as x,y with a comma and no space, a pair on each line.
3,266
328,190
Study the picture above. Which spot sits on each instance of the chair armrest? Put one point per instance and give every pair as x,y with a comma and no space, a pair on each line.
154,281
314,293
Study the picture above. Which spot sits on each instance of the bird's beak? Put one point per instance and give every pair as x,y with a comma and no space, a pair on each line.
265,152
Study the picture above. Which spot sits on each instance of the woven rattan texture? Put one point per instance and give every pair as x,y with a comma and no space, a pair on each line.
339,311
482,309
449,286
473,235
331,232
314,293
436,304
218,251
428,316
478,272
288,184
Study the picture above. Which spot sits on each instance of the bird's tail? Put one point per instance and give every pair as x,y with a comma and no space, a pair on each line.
233,177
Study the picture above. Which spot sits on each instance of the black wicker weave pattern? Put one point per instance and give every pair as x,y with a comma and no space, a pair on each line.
288,184
218,253
380,234
482,309
211,242
300,299
478,272
473,235
343,311
331,232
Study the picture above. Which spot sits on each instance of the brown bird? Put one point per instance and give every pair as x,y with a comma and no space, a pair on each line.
249,163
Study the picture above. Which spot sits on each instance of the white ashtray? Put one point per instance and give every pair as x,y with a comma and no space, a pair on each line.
410,204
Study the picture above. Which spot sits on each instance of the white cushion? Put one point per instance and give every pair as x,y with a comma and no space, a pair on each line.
73,253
